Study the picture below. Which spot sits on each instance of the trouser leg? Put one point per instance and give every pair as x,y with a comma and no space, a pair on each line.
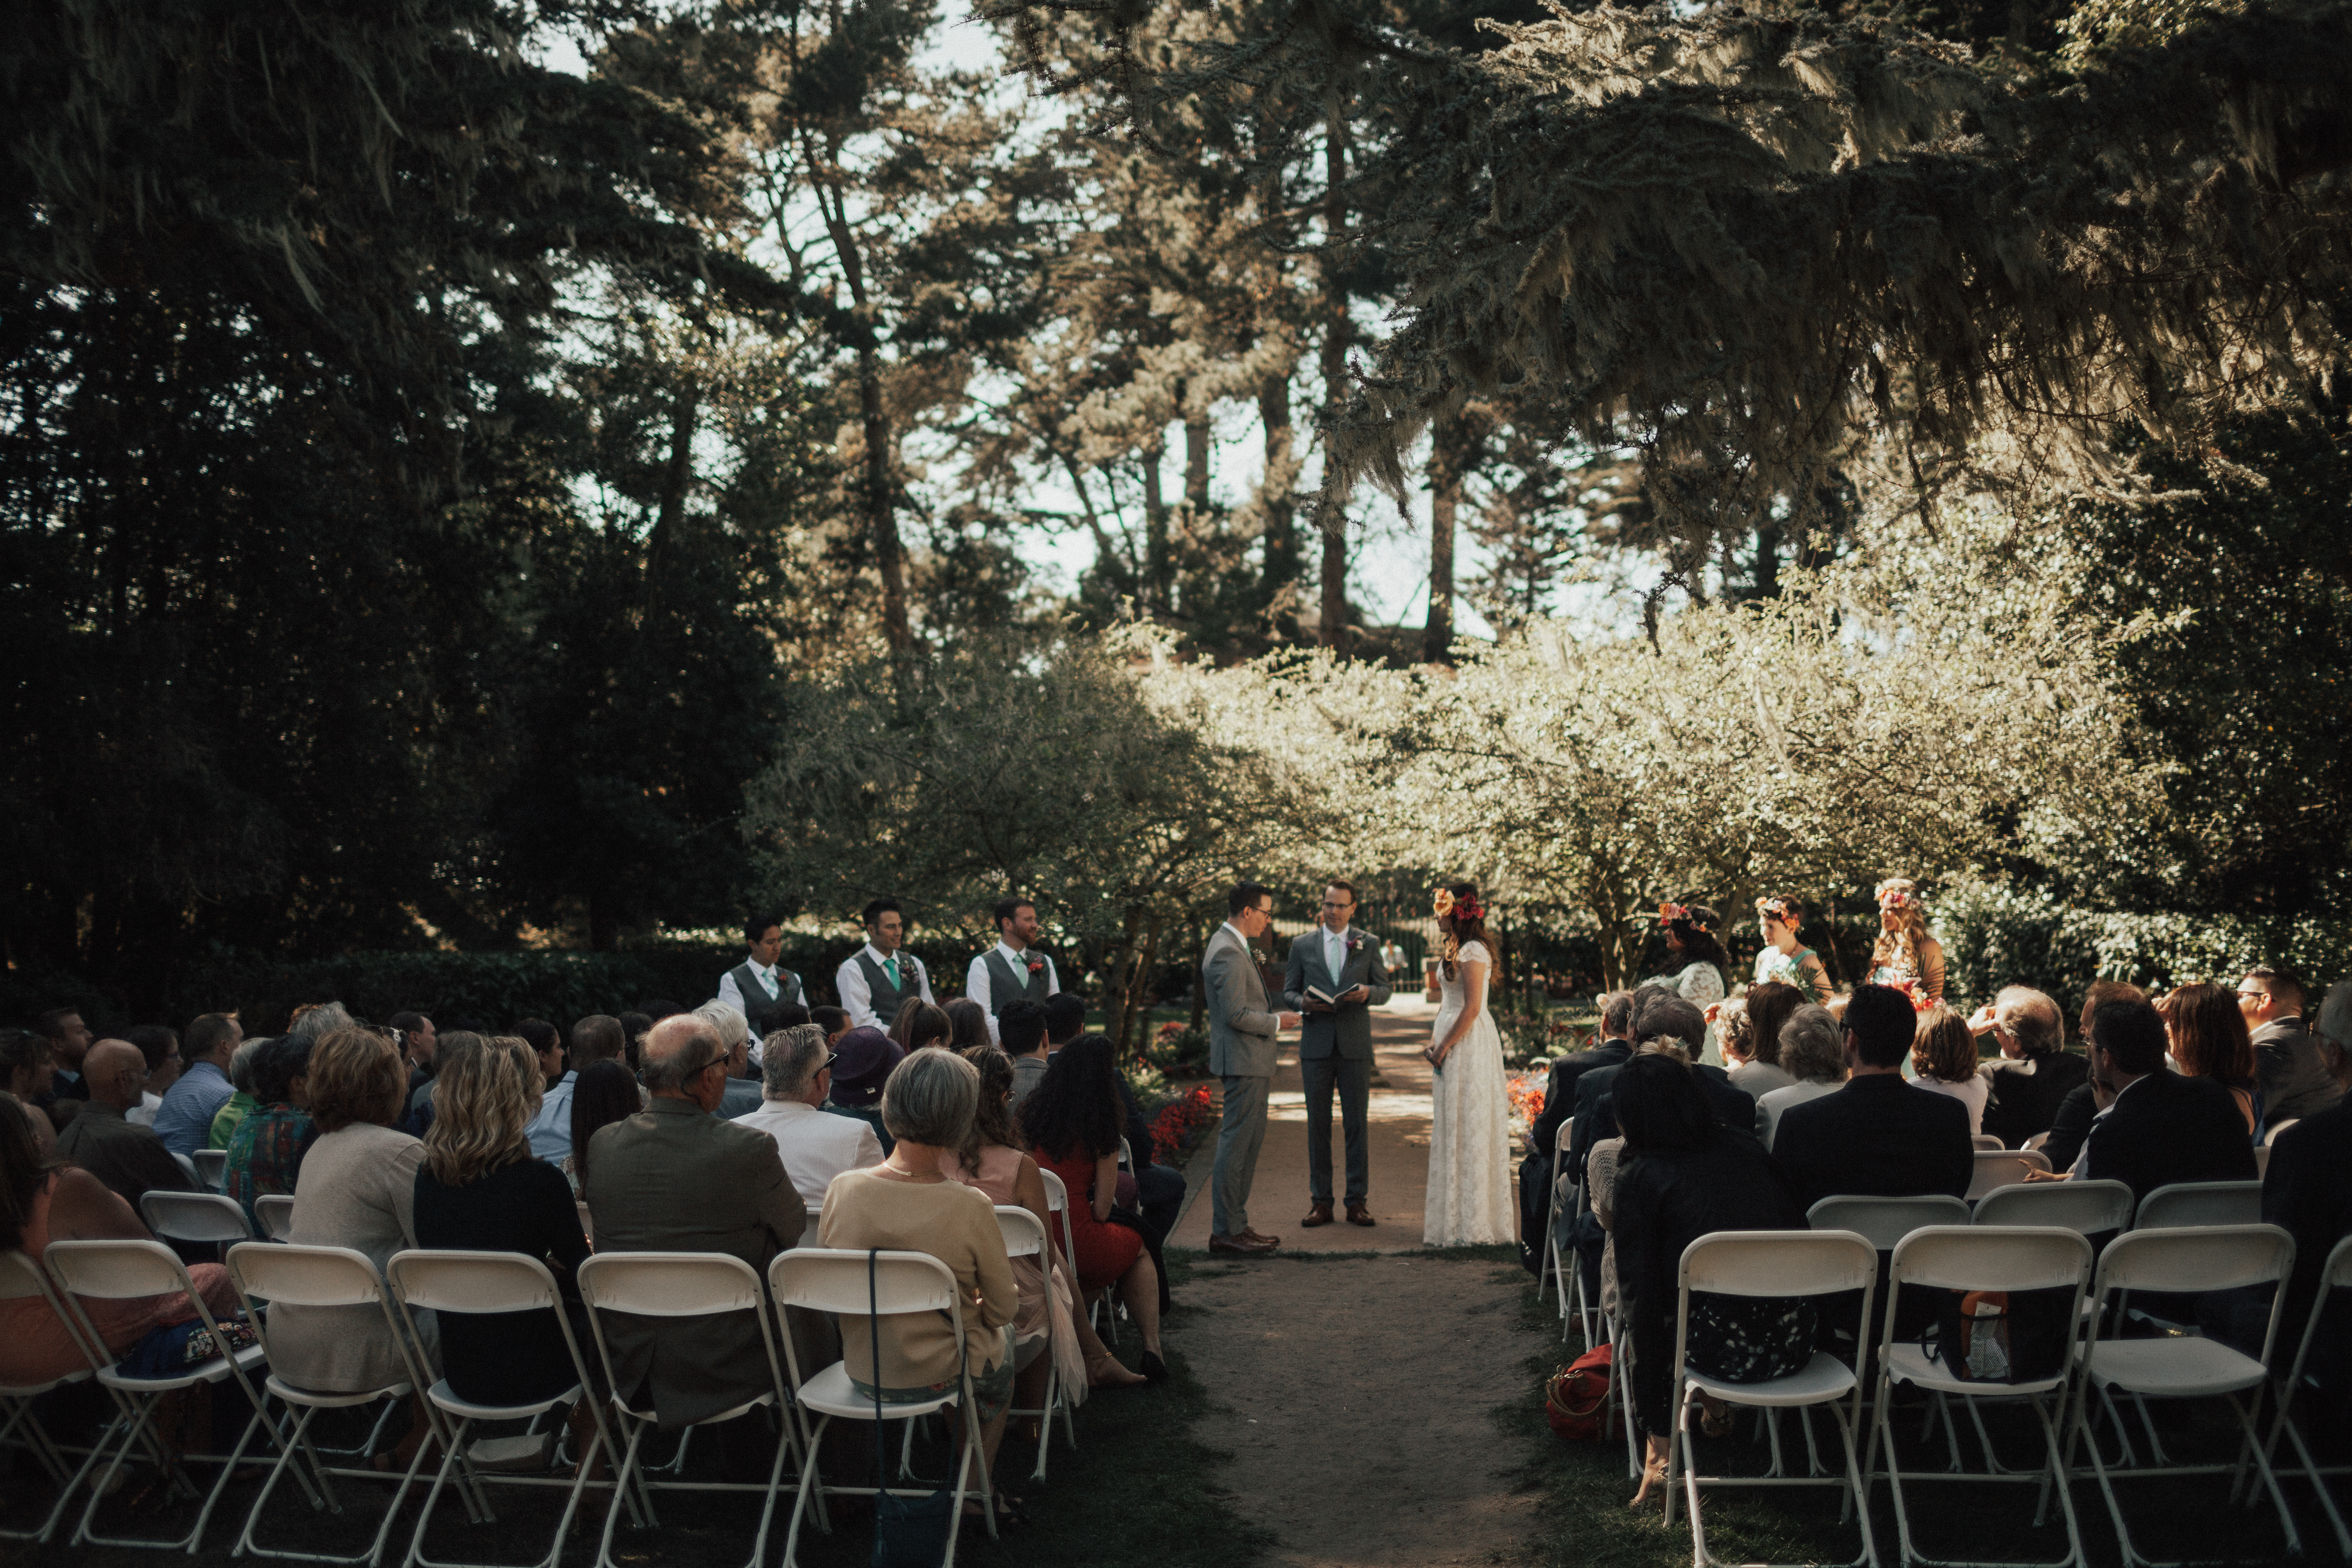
1355,1101
1321,1076
1240,1135
1159,1196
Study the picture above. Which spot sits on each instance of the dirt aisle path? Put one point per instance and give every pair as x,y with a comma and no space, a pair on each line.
1357,1397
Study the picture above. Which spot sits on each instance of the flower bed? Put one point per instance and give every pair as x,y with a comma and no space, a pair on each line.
1527,1093
1180,1122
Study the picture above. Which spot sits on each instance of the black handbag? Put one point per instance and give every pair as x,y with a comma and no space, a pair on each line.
2002,1336
909,1533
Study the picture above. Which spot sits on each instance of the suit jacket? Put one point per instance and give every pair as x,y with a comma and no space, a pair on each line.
2166,1128
2308,1190
671,1179
1242,1022
1596,1110
2069,1126
132,1160
1347,1032
2022,1097
1559,1093
2294,1076
1877,1137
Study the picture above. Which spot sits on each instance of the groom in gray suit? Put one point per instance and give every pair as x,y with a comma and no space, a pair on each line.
1242,1028
1334,1045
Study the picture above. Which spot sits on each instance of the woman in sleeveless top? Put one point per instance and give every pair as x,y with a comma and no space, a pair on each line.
1785,959
1470,1197
1905,956
41,1203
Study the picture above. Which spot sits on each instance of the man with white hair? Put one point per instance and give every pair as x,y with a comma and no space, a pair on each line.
2034,1070
743,1095
796,1068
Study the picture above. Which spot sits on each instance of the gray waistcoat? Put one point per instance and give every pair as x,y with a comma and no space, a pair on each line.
1007,984
788,989
887,998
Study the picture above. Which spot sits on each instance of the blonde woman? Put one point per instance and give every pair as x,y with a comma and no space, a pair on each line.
1944,1061
481,1190
1904,955
1784,958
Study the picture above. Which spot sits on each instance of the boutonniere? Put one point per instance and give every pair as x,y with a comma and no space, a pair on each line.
1354,941
1036,964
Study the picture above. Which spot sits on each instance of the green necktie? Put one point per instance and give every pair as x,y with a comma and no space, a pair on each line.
890,968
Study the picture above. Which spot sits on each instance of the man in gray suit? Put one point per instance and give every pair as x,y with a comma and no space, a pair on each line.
1335,1046
1242,1028
2293,1071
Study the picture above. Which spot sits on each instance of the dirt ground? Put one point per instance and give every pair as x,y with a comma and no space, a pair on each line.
1356,1397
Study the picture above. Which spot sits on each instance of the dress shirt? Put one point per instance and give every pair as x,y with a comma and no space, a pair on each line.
976,986
1335,950
185,1122
815,1147
732,993
858,997
551,1130
143,1113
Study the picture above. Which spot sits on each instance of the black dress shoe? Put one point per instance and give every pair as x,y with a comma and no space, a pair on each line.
1154,1369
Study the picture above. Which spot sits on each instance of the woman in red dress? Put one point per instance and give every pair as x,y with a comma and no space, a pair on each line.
1073,1122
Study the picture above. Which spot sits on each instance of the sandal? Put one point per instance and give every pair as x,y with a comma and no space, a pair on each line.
1654,1475
1715,1421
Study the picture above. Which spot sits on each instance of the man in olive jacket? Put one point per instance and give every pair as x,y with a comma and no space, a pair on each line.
675,1178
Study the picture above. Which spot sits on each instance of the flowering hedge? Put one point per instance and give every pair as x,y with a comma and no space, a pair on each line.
1180,1122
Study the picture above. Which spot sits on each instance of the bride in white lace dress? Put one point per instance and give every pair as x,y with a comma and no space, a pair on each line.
1470,1113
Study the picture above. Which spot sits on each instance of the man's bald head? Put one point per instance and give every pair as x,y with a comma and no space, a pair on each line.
678,1050
114,1069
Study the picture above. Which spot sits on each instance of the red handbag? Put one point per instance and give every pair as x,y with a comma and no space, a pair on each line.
1576,1398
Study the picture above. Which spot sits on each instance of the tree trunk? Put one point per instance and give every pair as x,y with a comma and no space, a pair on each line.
1200,982
1444,500
1281,516
881,506
1767,569
1155,535
1196,462
1142,994
1333,627
1119,975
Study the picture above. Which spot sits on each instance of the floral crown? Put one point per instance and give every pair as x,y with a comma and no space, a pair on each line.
1780,909
1468,908
1893,898
1669,913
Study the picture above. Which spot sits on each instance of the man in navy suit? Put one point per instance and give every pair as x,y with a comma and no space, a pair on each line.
1878,1136
2158,1126
1540,1170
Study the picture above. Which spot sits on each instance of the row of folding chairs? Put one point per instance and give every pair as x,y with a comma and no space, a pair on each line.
660,1285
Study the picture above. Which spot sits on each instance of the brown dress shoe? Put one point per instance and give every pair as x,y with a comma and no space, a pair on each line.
1359,1213
1239,1245
1320,1215
1268,1242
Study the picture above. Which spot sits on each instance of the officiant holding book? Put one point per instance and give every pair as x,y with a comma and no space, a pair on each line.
1334,977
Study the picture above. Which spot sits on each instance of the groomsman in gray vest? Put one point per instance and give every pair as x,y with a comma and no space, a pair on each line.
1242,1028
756,986
1014,968
878,979
1334,1045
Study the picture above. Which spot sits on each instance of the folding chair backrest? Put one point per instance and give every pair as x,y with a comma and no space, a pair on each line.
116,1270
187,1165
212,1166
2197,1259
1886,1221
1057,1197
1992,1257
2003,1168
284,1275
587,1220
2337,1274
470,1281
2038,1139
194,1217
1987,1141
2088,1208
21,1277
2262,1161
2201,1203
670,1284
1023,1235
277,1213
2271,1137
1779,1262
834,1280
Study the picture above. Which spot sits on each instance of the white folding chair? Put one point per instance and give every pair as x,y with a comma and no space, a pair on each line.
1884,1222
2179,1260
20,1422
2336,1276
587,1220
2003,1168
1773,1263
2276,1127
212,1166
2201,1203
275,1211
187,1165
857,1284
1024,1236
452,1281
133,1270
2262,1161
2038,1139
685,1284
288,1276
194,1217
2087,1208
1982,1258
1987,1142
1058,1204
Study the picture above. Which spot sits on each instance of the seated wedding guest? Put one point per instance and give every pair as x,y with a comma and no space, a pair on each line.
160,1047
184,1121
742,1094
2207,1035
2158,1127
42,1202
1612,1046
1021,1029
414,1032
1944,1061
68,1039
1066,1019
863,1060
919,1024
967,1024
1666,1024
1599,1251
2071,1122
676,1177
1684,1175
357,1189
607,1092
2034,1070
1812,1051
132,1160
2308,1191
633,1030
595,1038
480,1191
797,1073
1073,1128
1745,1027
907,1204
25,1067
265,1155
2296,1078
1877,1136
241,1103
833,1021
992,1160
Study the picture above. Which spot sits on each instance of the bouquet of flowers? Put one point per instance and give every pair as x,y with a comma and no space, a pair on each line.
1527,1093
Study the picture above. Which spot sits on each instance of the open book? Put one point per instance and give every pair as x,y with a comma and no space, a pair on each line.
1319,994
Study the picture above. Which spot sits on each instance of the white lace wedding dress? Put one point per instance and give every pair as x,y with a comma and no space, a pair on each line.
1469,1127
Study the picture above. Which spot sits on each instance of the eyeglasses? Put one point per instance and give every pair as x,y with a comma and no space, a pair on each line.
2245,995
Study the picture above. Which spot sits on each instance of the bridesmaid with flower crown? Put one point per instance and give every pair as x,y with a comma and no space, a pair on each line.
1904,955
1784,958
1469,1199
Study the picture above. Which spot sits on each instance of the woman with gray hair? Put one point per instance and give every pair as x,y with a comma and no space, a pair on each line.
909,1203
1812,1051
242,1102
